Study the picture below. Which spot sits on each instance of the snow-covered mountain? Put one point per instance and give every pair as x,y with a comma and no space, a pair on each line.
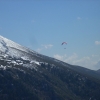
39,77
11,48
16,54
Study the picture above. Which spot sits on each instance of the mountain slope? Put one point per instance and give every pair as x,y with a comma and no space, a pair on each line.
5,44
28,75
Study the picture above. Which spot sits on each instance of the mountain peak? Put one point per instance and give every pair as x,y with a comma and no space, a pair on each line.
11,48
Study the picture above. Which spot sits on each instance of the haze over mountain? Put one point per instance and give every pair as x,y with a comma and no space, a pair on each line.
28,75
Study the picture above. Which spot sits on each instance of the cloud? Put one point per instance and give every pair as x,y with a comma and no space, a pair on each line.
97,42
71,58
48,46
39,50
43,47
59,57
79,18
65,58
74,59
97,65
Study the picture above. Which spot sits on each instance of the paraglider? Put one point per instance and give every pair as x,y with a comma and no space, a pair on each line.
64,43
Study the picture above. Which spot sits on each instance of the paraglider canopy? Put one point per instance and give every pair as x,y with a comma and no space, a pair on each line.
64,43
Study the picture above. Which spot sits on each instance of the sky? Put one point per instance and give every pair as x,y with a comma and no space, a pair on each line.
42,25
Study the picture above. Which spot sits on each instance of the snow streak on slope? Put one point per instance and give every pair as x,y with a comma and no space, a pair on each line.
7,46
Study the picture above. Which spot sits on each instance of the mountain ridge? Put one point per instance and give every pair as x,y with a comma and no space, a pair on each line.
39,77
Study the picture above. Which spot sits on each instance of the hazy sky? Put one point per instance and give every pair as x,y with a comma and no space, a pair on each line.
43,25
